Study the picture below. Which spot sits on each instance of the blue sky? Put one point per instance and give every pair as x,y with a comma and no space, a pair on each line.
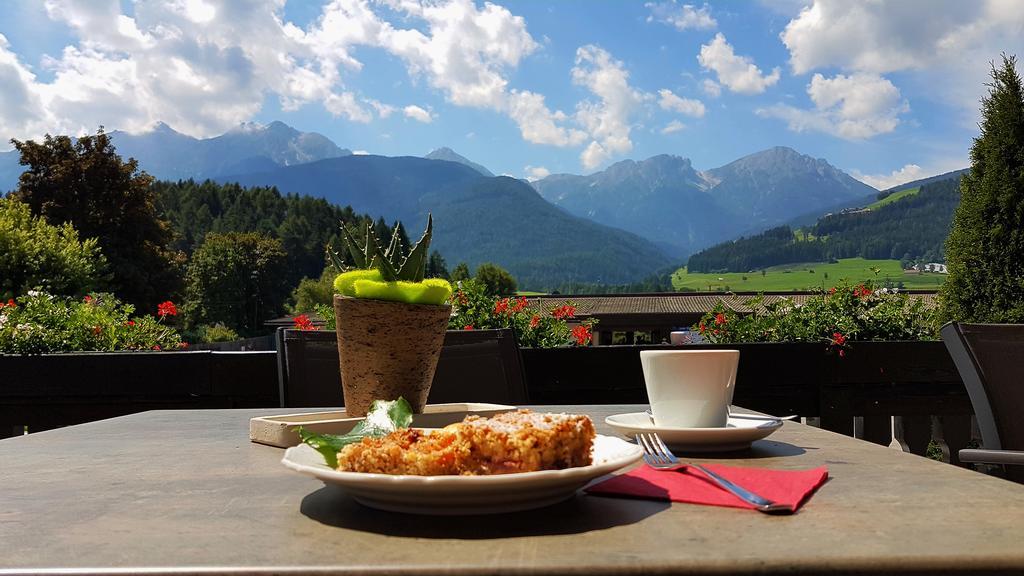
887,91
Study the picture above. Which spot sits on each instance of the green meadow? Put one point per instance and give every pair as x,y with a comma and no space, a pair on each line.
808,276
893,197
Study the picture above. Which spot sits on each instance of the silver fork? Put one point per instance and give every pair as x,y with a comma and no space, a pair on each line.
659,457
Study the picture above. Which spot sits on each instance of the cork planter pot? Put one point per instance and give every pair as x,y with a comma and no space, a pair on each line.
387,349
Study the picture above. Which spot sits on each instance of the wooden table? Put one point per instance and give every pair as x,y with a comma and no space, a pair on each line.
186,492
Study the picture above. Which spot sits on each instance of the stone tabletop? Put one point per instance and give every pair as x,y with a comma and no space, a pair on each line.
186,492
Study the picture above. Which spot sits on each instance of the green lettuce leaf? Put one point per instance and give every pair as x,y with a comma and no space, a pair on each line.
383,418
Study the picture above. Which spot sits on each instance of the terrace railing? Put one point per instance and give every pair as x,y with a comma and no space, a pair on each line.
907,395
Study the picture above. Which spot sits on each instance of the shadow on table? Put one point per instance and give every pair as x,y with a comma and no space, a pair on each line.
332,506
759,449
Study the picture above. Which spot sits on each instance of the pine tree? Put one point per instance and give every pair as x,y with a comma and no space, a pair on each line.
985,248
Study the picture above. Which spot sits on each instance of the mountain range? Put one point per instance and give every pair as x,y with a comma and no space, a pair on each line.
667,201
170,155
616,225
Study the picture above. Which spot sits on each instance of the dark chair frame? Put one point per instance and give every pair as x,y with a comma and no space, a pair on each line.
963,342
475,366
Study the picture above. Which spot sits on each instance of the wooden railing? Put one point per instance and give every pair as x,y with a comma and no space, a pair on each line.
901,394
43,392
907,395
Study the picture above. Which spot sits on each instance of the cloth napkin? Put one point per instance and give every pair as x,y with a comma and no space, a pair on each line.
793,487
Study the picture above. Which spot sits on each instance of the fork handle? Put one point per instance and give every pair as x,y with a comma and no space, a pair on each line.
739,491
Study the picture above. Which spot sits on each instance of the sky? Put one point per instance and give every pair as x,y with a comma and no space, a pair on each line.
887,91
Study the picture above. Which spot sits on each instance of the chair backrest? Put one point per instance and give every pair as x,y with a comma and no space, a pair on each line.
475,366
990,359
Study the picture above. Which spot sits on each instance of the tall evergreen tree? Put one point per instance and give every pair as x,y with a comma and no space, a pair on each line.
985,249
86,183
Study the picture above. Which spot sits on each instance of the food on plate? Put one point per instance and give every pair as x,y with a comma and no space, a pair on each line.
520,441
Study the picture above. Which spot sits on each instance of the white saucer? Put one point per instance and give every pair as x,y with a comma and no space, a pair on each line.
737,434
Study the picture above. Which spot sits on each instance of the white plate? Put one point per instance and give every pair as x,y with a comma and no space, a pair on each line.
451,495
736,435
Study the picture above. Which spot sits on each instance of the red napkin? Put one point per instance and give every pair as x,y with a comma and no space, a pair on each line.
689,485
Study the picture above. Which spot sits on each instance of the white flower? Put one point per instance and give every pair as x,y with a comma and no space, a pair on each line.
3,320
33,293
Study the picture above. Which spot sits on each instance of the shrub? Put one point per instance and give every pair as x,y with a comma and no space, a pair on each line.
216,333
36,254
833,317
41,323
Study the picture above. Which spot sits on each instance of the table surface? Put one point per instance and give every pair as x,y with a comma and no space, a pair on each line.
186,492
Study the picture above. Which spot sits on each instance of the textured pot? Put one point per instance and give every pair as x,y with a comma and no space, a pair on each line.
387,349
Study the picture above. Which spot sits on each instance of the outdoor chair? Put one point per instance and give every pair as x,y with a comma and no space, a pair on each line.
475,366
990,359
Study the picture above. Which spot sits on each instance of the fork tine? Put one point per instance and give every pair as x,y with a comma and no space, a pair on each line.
651,455
669,456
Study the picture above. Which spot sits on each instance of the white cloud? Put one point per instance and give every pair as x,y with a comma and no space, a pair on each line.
885,181
682,17
540,125
939,43
467,51
534,173
607,121
673,127
204,66
738,73
418,114
711,88
360,153
852,107
687,106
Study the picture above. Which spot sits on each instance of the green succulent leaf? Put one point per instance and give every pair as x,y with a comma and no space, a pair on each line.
358,256
415,265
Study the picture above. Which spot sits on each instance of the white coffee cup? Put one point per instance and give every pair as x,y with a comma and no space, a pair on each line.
690,388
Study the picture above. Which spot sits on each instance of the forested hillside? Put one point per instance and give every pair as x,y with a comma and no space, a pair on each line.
303,223
913,228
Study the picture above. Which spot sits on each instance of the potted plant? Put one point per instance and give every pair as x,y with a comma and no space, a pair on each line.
390,321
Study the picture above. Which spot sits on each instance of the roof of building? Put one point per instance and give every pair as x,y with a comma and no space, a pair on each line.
689,303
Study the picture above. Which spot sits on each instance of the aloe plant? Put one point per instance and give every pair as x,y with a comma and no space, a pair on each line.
388,273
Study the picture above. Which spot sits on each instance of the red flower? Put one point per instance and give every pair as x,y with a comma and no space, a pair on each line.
11,303
520,304
567,311
861,291
582,334
838,339
842,353
701,327
87,299
720,319
156,347
468,327
130,323
302,322
96,330
166,309
534,321
832,290
182,345
501,306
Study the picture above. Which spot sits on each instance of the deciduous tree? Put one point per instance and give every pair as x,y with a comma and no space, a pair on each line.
84,182
237,279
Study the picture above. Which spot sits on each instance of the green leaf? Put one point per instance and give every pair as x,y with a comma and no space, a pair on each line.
393,246
415,265
383,418
358,256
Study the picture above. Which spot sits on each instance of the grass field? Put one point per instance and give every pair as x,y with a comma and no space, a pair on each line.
893,197
807,276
